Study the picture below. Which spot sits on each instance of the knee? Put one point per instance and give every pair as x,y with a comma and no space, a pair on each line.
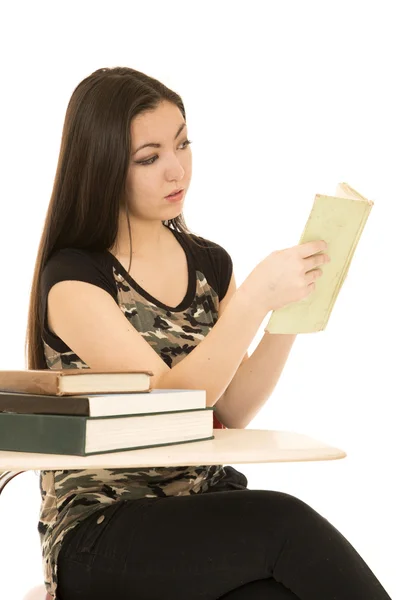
292,509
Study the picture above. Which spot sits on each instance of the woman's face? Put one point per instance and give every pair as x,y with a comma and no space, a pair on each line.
168,167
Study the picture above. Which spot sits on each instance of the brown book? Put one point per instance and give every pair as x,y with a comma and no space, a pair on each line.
70,382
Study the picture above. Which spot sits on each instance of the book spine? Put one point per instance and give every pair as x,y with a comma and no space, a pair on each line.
29,381
40,382
42,404
46,434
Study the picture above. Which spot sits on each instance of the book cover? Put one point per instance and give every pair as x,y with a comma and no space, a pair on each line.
340,221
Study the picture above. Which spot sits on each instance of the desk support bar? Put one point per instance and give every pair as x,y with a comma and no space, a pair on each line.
6,476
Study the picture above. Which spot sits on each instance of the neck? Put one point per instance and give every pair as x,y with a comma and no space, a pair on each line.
149,238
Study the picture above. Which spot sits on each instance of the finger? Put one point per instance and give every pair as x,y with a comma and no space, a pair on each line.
314,261
309,289
313,275
310,248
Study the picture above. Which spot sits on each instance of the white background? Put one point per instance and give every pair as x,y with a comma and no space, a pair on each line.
284,100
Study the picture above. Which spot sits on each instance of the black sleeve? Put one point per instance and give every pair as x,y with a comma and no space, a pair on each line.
76,265
225,268
221,265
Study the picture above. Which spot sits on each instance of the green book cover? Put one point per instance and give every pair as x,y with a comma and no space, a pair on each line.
62,434
339,220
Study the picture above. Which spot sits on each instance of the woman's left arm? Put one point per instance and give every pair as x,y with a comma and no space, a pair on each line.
254,381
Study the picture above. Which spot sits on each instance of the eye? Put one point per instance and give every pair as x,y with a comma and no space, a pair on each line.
151,160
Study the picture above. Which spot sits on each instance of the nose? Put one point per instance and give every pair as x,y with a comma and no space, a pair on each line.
175,170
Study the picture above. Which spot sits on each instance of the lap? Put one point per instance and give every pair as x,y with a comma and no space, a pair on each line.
210,545
207,543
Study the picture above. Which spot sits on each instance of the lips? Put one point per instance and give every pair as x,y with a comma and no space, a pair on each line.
174,193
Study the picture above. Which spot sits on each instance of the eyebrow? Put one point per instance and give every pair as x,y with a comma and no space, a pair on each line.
153,145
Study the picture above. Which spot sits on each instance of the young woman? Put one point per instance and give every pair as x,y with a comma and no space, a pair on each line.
121,284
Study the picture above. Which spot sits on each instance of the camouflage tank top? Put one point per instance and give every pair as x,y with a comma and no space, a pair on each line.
70,496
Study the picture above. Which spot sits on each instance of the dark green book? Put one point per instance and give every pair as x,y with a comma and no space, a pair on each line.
82,436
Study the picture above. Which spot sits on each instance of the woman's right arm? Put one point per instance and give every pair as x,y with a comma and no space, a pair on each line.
90,322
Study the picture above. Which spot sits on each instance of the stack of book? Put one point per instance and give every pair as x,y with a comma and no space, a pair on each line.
85,411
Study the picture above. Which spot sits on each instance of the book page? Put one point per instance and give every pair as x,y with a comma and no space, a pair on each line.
343,190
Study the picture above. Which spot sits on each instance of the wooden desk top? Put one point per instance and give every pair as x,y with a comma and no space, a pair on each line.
230,446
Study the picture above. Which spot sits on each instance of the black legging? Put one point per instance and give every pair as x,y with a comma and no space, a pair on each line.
235,545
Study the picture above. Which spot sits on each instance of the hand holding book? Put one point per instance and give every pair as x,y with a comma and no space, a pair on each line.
286,276
297,283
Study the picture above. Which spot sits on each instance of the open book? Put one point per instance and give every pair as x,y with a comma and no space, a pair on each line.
338,220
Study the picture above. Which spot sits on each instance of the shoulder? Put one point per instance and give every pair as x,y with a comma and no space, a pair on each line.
219,259
75,256
214,249
73,264
78,265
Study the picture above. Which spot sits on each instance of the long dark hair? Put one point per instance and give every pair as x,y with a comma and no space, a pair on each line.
90,177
